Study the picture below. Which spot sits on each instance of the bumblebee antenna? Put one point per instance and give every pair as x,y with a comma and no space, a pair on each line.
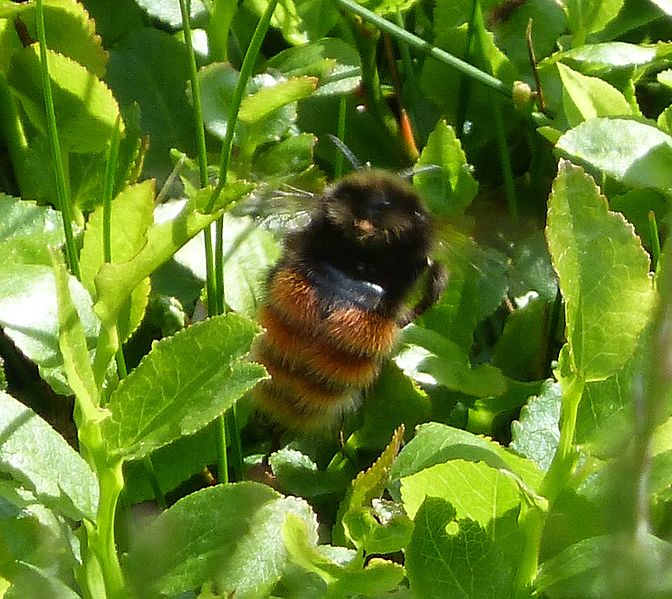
355,163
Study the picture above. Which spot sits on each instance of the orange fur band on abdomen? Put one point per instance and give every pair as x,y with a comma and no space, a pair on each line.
317,362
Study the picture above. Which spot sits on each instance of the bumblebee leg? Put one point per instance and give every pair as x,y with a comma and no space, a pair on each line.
436,281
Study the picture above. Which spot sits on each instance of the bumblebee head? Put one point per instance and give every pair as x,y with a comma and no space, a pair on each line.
374,207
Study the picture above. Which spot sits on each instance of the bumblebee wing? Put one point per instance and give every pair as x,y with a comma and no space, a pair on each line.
280,209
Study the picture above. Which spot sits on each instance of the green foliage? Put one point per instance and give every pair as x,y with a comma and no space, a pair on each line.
516,443
181,386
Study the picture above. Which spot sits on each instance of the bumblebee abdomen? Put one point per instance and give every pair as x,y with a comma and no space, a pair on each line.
320,355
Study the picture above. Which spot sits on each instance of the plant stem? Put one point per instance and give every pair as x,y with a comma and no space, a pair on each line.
245,74
218,29
560,470
111,482
57,156
222,451
425,47
224,162
108,194
500,133
463,89
505,161
199,128
366,41
531,521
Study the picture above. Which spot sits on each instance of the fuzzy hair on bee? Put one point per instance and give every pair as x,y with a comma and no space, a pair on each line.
337,298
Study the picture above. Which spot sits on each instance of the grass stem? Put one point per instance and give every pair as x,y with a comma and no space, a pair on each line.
56,152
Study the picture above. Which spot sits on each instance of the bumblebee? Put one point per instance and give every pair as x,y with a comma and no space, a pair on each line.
338,296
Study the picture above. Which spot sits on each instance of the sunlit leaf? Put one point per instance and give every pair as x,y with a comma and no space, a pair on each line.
27,231
85,108
603,272
38,457
184,383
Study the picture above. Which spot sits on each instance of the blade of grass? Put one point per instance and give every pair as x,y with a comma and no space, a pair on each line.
479,31
57,156
245,74
224,162
108,194
216,305
425,47
108,191
213,289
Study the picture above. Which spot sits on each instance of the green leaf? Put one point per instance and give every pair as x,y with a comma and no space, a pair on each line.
282,161
31,581
438,443
428,357
267,117
585,98
69,31
72,343
636,204
455,557
447,192
228,533
169,13
605,412
386,7
588,16
115,282
29,317
393,399
602,58
41,460
368,485
85,108
301,21
184,383
603,272
549,23
267,100
260,556
334,62
381,529
131,215
521,350
149,67
33,534
377,577
195,539
632,153
27,231
478,282
536,433
476,490
173,464
298,473
249,250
